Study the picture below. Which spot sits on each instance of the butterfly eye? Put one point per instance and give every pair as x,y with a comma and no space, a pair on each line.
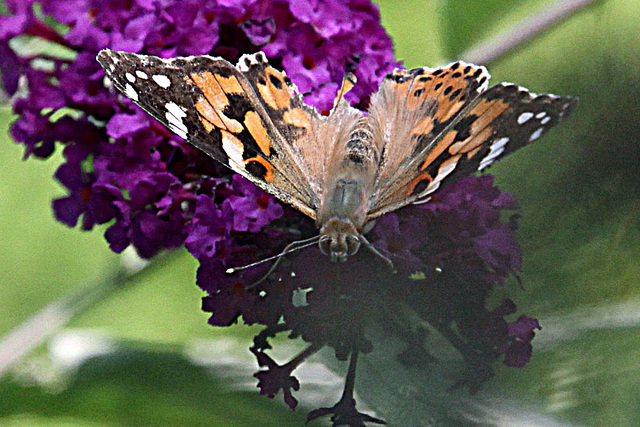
353,244
325,245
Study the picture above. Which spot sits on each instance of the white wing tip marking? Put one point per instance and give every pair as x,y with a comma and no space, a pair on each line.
249,59
162,80
495,150
131,92
142,74
174,116
524,117
536,134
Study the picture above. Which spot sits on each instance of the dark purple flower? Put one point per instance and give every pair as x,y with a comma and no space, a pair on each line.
10,69
122,125
252,208
521,333
276,378
259,32
211,226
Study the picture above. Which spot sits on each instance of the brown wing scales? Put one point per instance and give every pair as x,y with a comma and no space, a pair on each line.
473,130
312,138
213,105
413,107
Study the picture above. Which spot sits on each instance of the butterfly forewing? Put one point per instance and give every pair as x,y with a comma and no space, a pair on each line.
487,127
213,105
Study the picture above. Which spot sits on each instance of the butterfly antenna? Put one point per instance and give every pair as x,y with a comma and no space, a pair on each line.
291,247
378,253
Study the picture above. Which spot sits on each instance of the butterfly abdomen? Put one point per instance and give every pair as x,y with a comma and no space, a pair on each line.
360,152
350,176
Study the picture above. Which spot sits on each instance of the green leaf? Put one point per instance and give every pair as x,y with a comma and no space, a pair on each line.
467,22
146,387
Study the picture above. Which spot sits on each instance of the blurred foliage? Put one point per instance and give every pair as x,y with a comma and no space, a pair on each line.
580,194
466,22
134,386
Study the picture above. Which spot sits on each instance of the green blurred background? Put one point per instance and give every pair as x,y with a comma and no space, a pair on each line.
579,190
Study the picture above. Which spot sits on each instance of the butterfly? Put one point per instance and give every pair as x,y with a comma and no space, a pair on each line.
424,128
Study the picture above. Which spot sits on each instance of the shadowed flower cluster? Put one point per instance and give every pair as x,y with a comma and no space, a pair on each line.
154,192
450,254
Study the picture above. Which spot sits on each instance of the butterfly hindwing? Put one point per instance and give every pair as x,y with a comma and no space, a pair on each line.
213,105
411,109
487,126
311,137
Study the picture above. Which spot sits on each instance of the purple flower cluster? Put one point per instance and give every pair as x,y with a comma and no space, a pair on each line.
121,168
155,192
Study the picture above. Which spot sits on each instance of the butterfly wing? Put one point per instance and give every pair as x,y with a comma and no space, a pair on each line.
221,109
464,129
312,138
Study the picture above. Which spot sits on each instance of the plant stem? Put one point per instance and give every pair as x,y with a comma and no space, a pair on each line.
350,382
41,326
524,31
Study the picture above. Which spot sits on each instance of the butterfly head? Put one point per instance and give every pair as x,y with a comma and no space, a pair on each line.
339,239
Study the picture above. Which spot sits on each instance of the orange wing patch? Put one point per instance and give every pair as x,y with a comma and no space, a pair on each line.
479,130
215,89
440,147
426,184
259,166
256,128
297,117
274,90
418,184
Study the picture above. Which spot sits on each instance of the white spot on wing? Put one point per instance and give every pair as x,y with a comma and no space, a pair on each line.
524,117
541,114
142,74
162,80
130,92
130,77
445,169
545,120
174,116
536,134
495,150
232,149
249,59
500,143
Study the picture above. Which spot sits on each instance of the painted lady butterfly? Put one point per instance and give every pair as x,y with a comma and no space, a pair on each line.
425,128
